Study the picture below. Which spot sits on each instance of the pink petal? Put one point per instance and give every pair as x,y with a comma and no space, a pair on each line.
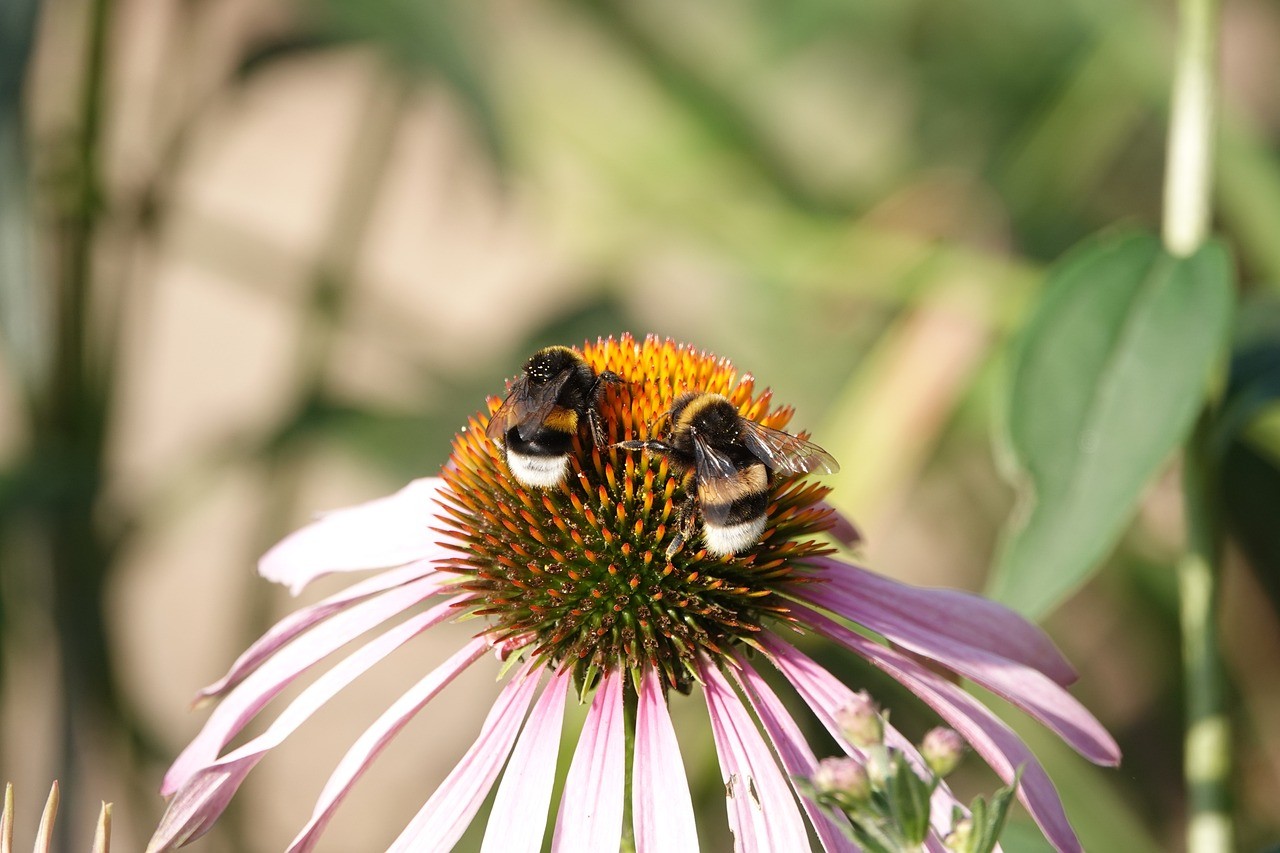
300,620
663,813
377,736
935,622
762,813
205,795
845,531
518,821
825,695
797,758
252,694
988,735
193,811
1025,687
389,531
440,823
591,804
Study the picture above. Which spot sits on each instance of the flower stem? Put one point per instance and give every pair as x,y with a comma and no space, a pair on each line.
1187,214
630,709
1188,182
1207,746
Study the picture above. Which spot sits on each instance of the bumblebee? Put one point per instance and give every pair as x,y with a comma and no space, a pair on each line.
537,421
726,462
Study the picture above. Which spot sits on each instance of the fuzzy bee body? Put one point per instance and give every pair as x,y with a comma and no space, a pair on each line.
541,414
726,462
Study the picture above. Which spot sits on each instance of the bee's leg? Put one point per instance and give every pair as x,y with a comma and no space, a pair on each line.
598,437
651,446
686,518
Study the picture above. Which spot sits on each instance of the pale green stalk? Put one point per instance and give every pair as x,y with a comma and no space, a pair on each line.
1187,216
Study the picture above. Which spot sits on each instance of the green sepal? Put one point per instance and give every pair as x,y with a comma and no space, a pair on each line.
909,801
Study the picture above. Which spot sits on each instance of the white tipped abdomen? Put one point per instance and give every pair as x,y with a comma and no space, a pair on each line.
539,472
732,538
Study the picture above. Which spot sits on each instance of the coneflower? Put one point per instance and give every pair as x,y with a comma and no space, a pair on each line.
573,587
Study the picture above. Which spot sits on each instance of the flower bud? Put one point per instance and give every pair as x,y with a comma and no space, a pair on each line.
844,779
860,721
942,750
960,838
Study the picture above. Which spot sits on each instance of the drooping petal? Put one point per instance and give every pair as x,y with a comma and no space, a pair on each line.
374,739
189,816
844,530
518,821
591,805
989,736
797,759
440,823
660,803
300,620
762,813
935,623
1025,687
385,532
252,694
825,695
198,804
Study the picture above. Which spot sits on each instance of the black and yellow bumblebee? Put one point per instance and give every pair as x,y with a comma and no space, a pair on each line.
726,461
537,421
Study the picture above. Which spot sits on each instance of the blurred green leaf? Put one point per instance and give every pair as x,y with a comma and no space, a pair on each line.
284,46
1249,192
1108,376
1253,383
1250,494
1023,836
431,38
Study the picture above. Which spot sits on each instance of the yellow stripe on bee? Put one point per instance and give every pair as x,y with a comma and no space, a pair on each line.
750,481
562,420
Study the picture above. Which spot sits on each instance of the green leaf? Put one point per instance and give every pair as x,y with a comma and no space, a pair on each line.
909,800
1107,379
993,820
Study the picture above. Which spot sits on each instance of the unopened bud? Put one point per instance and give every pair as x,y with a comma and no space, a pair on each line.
860,721
960,838
942,749
843,779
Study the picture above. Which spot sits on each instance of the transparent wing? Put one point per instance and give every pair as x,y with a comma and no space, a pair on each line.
715,472
539,402
784,452
525,408
505,418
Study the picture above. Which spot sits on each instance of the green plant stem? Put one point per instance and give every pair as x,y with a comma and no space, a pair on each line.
1187,216
71,418
1188,183
1207,747
630,711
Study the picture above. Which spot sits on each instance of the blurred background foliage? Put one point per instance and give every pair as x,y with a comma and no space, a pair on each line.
262,258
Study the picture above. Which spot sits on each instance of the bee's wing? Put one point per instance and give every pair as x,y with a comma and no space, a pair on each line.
525,408
538,403
715,473
784,452
505,418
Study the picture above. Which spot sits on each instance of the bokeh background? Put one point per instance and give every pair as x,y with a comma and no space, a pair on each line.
262,258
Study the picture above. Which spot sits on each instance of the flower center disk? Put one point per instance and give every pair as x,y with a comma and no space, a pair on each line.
579,570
